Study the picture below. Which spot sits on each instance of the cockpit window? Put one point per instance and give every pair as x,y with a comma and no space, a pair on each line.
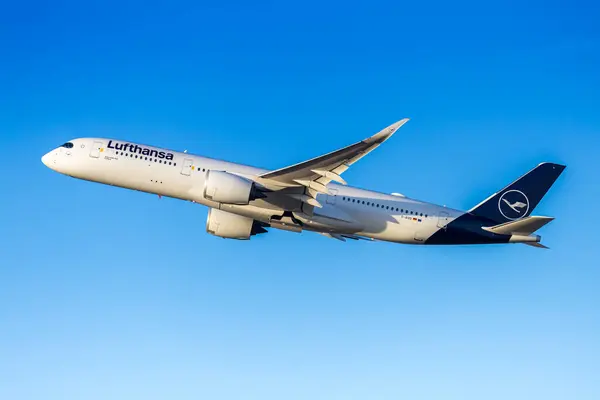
68,145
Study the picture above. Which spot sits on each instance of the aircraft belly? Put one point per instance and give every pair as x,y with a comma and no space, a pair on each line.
405,232
328,224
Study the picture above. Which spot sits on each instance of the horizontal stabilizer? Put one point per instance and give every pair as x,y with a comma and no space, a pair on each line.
523,226
538,245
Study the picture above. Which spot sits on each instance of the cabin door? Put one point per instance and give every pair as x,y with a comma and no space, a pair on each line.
97,148
186,169
443,220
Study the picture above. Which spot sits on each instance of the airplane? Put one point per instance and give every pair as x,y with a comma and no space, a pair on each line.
310,196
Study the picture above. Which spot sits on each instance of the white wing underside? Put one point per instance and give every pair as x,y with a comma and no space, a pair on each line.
315,174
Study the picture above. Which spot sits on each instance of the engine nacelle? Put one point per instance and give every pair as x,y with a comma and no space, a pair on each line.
227,188
231,226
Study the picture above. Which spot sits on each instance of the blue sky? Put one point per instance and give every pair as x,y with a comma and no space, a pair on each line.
106,293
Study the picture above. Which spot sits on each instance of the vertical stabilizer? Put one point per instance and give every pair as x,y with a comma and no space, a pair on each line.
518,200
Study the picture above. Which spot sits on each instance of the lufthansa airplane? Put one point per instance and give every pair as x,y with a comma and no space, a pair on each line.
312,195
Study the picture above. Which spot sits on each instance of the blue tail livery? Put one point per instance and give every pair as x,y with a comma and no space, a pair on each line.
518,200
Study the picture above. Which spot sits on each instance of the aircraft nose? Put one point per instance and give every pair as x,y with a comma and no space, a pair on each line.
46,159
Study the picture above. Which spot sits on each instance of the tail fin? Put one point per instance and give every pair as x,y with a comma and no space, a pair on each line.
517,200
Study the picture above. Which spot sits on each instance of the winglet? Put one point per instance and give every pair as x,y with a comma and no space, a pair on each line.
385,133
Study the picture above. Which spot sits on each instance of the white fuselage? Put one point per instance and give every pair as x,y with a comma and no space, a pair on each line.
345,209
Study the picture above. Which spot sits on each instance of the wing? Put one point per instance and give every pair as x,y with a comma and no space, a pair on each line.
315,174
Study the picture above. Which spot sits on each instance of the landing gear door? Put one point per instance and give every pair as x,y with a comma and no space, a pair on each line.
186,169
97,148
443,219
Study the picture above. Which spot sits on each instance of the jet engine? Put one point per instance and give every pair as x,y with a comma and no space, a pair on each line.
227,188
231,226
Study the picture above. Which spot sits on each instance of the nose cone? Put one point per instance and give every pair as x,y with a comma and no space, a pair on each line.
47,160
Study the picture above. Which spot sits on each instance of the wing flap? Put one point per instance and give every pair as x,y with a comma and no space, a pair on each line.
330,175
